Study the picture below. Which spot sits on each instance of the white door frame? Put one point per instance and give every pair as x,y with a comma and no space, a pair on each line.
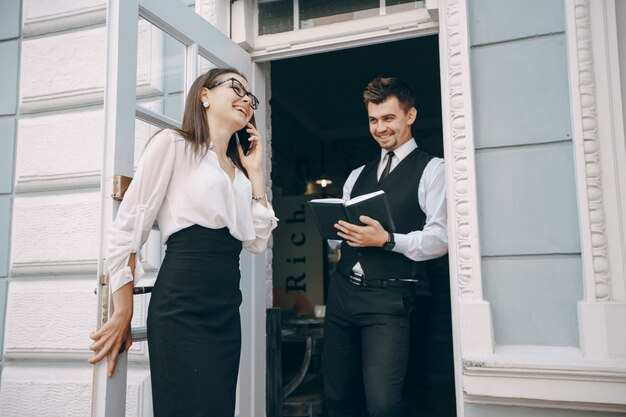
520,375
466,286
121,110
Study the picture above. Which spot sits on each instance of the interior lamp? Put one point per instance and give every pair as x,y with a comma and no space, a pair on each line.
323,181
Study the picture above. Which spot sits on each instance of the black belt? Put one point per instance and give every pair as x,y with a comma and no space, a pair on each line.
360,280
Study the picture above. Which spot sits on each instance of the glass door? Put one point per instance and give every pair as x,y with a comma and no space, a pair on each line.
155,50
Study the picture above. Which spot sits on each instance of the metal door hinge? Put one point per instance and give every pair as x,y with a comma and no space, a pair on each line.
104,279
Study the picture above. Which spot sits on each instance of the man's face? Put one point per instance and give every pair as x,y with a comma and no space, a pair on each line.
389,124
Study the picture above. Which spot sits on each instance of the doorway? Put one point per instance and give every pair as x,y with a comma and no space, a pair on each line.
320,132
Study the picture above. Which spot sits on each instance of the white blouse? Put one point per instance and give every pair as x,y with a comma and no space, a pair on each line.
180,190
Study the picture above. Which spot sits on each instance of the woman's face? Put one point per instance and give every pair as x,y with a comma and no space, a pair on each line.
226,99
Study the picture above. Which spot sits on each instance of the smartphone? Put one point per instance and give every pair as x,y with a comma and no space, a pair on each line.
241,137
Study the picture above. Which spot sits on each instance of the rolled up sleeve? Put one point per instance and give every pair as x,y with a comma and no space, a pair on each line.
138,210
264,220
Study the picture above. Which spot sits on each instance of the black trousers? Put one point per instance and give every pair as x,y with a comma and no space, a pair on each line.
366,349
194,331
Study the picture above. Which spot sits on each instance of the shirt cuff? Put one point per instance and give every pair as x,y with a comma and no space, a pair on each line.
262,215
402,243
122,277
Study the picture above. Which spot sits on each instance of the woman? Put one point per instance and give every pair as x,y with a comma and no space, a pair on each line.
209,199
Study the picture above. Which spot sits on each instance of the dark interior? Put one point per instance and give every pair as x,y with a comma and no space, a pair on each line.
319,122
320,129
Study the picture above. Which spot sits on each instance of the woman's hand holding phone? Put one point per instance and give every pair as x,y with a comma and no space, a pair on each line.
252,160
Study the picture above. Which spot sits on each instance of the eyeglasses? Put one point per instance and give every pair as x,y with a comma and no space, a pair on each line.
240,90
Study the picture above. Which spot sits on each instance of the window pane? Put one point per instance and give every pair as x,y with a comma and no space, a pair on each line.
160,71
395,6
323,12
275,16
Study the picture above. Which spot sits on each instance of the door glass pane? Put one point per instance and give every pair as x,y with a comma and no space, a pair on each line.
204,65
323,12
275,16
160,71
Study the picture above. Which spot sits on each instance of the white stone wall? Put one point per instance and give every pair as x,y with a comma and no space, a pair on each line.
51,305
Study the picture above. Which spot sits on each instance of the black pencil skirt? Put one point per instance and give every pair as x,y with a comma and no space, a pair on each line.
194,329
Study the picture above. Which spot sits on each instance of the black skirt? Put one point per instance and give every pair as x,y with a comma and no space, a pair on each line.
194,329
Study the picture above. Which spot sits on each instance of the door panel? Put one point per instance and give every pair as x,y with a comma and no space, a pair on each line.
155,50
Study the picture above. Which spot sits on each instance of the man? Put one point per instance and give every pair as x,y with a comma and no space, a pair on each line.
367,327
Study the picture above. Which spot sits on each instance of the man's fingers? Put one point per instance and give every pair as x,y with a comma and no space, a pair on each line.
369,221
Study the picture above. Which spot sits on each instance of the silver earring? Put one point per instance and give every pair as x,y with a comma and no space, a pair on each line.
205,104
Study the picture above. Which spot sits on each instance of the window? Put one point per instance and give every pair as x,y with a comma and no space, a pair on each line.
276,16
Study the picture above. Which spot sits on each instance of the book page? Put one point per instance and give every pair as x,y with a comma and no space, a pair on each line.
363,197
327,200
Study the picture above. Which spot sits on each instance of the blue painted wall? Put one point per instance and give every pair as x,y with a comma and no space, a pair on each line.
527,206
10,30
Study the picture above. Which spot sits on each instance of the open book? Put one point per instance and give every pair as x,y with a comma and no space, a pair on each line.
328,211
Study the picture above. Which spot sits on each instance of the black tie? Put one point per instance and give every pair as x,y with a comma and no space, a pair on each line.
387,167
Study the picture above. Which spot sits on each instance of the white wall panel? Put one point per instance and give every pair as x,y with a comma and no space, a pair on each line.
55,233
62,321
64,316
69,69
41,16
63,70
61,389
45,391
60,150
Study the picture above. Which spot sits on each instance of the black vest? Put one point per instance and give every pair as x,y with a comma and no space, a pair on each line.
400,187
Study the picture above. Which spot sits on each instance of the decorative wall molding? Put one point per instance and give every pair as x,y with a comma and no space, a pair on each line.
587,137
55,268
526,376
473,325
458,123
48,17
471,315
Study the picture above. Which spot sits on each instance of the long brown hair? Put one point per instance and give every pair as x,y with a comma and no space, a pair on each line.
195,127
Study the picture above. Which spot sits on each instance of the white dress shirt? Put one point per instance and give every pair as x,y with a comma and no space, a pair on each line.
432,241
180,190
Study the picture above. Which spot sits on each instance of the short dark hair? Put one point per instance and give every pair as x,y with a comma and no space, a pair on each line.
381,88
